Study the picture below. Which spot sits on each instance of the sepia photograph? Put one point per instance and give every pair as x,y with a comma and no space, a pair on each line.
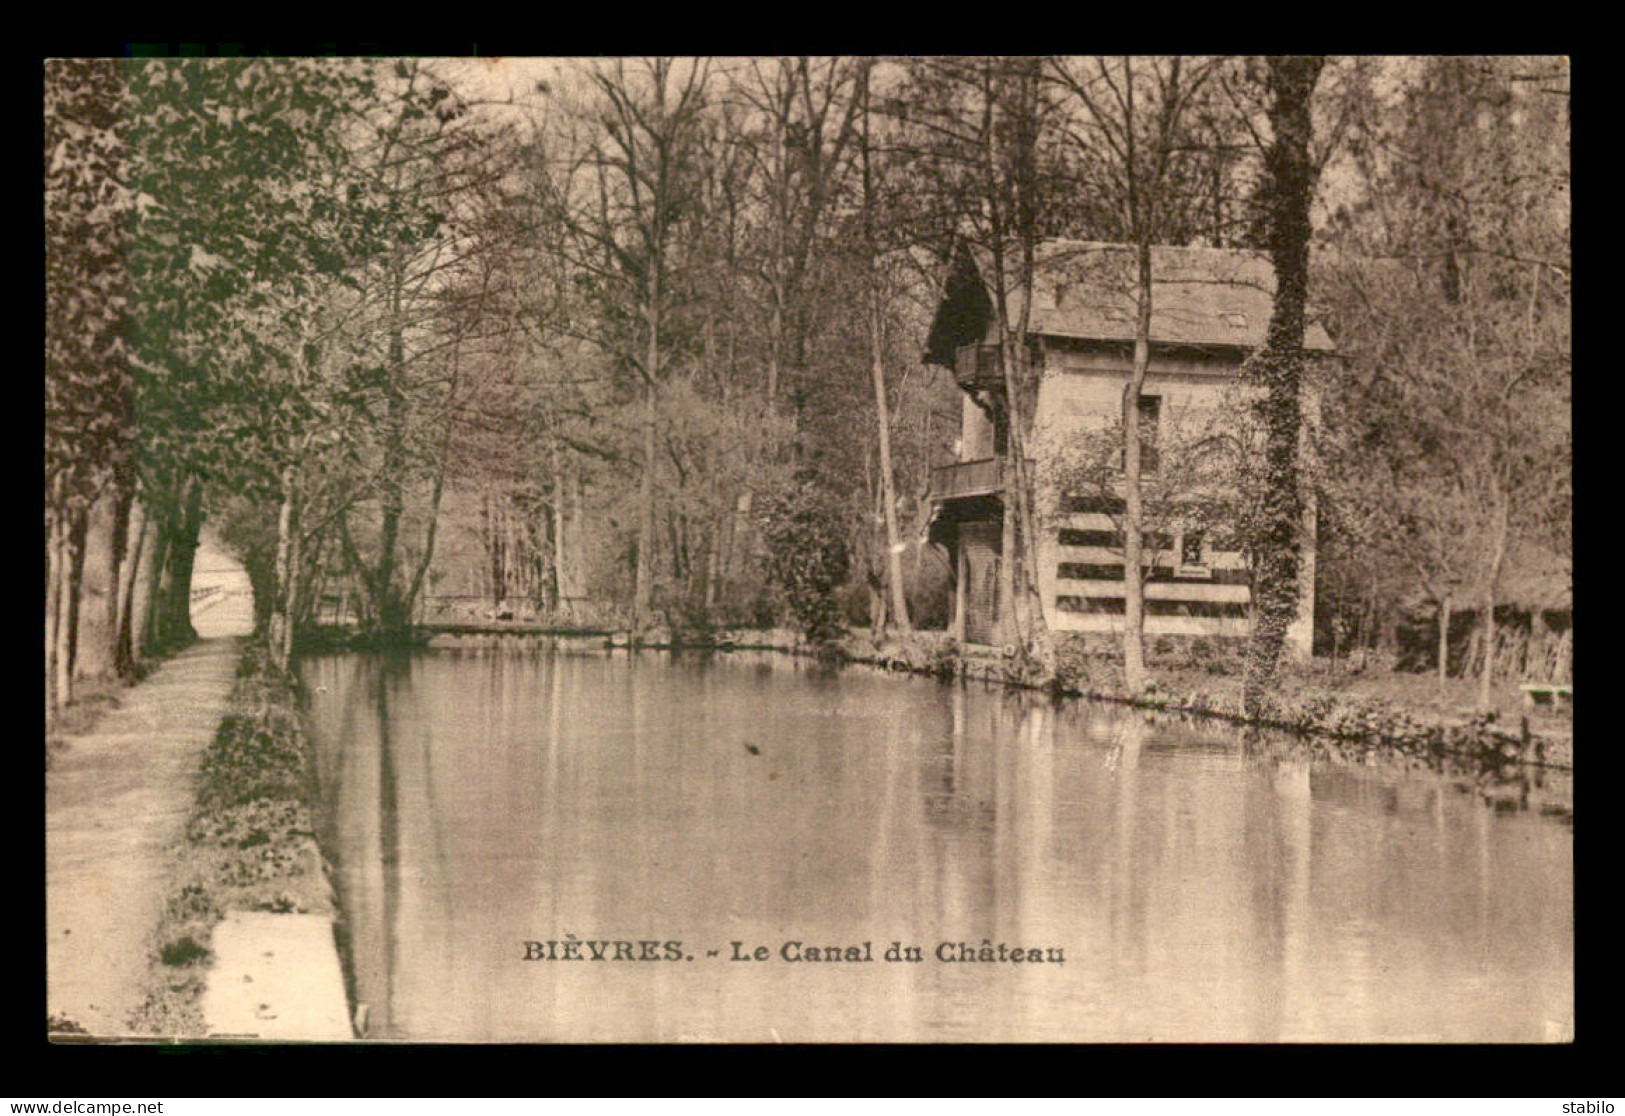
806,549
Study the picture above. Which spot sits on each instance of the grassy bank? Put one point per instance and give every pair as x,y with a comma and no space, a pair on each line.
1387,708
250,841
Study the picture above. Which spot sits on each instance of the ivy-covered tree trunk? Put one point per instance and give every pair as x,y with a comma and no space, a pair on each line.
1291,179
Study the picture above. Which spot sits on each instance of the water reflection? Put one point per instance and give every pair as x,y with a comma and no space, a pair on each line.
1203,885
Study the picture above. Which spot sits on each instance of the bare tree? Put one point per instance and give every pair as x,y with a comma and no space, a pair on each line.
624,215
1135,139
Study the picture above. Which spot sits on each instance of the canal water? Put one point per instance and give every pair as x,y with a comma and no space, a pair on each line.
494,814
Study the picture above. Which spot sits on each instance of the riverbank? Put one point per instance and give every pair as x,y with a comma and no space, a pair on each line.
478,796
249,851
1383,708
1315,700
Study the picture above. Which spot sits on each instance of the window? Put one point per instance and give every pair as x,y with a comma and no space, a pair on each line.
1150,414
1190,549
1092,505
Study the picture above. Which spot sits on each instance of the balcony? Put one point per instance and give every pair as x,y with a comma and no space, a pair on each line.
970,478
978,368
966,478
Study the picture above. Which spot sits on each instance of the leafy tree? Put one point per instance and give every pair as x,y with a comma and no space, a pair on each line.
87,383
1451,292
249,219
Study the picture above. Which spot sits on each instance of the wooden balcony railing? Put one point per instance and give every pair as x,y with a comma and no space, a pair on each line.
969,478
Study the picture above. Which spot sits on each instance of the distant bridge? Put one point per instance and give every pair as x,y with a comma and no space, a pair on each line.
505,627
466,614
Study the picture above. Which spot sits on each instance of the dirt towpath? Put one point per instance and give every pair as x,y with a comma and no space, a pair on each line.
116,803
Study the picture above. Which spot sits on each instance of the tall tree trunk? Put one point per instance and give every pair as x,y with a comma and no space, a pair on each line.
117,543
55,697
182,557
641,588
562,583
1291,185
124,648
1016,359
642,591
781,219
877,372
1444,643
888,494
1133,510
1010,606
877,607
144,609
1492,590
285,575
1019,485
716,539
1368,630
78,535
386,604
415,587
153,617
1009,625
775,334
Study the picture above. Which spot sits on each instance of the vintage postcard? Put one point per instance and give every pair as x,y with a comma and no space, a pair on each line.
809,550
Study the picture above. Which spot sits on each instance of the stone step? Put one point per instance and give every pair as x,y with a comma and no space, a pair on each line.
276,976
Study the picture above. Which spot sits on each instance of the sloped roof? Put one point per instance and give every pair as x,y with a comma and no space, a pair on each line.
1199,296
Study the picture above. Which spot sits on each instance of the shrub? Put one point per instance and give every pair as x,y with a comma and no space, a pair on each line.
807,554
1085,666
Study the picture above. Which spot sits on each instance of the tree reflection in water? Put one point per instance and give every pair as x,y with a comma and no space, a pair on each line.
1205,883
